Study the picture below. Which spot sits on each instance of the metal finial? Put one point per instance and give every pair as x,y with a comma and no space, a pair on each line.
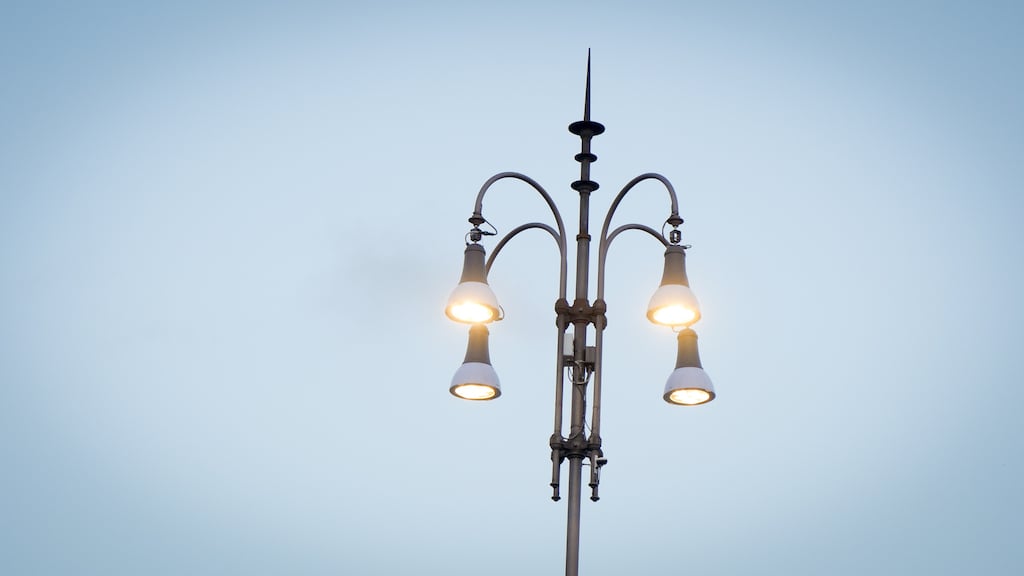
586,101
586,128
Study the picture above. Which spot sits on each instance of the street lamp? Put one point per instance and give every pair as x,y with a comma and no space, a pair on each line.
673,304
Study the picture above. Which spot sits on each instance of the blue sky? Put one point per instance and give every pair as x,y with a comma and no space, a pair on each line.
227,232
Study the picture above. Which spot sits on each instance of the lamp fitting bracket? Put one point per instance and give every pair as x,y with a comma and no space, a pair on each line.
475,233
582,312
556,442
575,446
562,309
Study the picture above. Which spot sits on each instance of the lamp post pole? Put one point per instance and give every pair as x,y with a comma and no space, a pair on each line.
577,447
673,304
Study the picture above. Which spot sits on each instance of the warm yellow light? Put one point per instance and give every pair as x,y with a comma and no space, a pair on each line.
471,312
689,396
674,315
474,392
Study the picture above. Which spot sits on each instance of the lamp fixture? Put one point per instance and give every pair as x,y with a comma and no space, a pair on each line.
476,378
673,303
473,301
688,385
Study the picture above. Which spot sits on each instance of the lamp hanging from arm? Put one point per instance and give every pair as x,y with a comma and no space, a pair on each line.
673,303
473,301
688,385
476,378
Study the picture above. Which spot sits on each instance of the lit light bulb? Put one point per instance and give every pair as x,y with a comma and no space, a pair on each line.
474,392
472,303
674,315
673,303
471,312
689,396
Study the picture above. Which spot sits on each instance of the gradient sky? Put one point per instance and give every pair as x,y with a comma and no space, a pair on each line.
227,232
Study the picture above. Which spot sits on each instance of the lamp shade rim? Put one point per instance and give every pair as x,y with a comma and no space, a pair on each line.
689,379
478,375
677,298
472,303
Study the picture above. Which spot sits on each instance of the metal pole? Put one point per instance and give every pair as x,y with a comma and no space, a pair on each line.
577,446
577,442
572,546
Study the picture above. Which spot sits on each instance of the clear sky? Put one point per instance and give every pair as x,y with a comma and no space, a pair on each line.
227,232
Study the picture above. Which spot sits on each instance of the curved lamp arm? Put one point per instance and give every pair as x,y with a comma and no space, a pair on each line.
603,251
629,186
602,255
606,239
561,248
559,236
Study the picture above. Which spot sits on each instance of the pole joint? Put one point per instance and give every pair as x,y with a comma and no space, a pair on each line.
582,312
575,446
600,307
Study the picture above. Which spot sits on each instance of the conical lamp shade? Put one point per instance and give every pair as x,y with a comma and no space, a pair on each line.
476,378
688,385
673,303
473,301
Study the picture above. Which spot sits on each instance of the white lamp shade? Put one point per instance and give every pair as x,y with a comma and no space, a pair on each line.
472,303
689,386
475,381
673,305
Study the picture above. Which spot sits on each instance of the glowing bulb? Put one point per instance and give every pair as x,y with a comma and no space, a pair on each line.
472,303
674,315
471,312
689,396
474,392
673,305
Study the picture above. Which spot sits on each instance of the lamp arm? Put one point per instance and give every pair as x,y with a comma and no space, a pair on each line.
515,231
602,255
605,239
643,228
559,235
478,206
625,190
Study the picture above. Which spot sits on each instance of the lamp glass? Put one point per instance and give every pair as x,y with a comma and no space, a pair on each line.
471,312
674,315
689,396
474,392
689,386
673,305
472,303
475,381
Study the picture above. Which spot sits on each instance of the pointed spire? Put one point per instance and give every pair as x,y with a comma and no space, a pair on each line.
586,101
586,128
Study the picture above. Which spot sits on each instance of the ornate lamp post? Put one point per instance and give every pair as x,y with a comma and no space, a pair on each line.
673,304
